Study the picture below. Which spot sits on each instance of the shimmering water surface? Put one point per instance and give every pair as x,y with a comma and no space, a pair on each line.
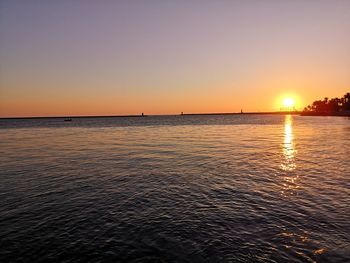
243,188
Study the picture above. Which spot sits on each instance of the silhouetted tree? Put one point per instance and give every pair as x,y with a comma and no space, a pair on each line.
330,106
346,101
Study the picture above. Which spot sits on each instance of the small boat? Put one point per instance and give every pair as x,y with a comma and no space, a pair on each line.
68,119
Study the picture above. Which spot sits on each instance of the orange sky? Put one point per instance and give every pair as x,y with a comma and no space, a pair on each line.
127,58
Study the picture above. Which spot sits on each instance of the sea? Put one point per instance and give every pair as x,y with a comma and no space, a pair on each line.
192,188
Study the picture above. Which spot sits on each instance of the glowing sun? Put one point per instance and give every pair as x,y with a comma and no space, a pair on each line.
288,102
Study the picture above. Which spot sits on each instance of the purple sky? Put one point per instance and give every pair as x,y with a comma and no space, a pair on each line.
127,57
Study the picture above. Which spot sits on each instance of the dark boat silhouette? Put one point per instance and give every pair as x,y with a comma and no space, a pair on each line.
68,119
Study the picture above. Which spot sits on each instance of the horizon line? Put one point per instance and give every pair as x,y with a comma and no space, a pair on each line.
147,115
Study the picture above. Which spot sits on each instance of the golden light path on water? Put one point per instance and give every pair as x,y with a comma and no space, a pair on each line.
290,180
290,185
288,148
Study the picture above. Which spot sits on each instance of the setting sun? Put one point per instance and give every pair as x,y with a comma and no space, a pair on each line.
288,102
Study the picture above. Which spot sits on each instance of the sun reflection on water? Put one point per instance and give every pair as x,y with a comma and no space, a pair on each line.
288,145
288,165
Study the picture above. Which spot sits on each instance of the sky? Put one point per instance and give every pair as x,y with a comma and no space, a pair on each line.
166,57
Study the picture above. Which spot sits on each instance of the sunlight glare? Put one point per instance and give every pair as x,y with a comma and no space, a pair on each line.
288,102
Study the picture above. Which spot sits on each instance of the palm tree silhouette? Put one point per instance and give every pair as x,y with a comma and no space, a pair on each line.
330,106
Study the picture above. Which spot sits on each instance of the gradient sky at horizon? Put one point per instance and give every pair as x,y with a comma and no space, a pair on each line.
165,57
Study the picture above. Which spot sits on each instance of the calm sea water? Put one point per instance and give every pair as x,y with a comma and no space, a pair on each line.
238,188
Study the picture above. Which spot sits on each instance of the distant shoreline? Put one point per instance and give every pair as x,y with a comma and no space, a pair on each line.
142,116
249,113
185,114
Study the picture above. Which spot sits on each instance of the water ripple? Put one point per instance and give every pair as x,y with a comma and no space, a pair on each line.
175,189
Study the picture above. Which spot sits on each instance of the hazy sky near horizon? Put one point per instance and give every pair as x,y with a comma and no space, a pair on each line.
162,56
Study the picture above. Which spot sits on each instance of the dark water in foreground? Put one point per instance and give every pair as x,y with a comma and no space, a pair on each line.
175,189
